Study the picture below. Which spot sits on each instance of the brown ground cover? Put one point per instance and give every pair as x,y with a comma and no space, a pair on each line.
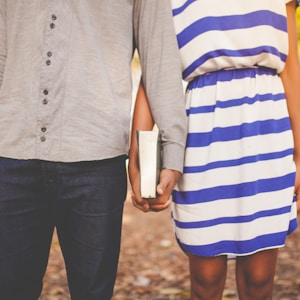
152,267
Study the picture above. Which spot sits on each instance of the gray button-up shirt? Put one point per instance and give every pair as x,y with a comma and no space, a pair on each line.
65,75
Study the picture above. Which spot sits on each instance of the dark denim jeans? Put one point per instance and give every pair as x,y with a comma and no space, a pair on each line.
84,201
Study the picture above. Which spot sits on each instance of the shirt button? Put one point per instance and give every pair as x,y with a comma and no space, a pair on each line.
48,62
49,53
52,25
43,129
45,101
53,17
43,139
45,92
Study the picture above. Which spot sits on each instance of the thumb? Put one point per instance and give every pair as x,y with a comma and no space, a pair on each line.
161,188
165,179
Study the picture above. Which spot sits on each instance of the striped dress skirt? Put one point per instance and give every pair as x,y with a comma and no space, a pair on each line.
236,196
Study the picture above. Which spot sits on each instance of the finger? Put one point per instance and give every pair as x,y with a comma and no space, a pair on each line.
168,180
160,207
141,205
162,185
137,200
160,203
142,208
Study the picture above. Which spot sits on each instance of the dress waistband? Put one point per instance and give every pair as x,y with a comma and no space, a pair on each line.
212,78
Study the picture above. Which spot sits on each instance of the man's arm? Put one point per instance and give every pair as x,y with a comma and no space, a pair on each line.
143,120
161,72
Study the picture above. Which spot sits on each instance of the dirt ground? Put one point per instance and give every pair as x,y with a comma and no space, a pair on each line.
152,267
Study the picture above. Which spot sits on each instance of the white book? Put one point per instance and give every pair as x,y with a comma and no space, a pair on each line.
149,153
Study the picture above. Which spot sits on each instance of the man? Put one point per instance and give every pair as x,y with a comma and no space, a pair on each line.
65,103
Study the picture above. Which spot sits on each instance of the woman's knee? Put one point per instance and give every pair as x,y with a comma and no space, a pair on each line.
255,275
208,277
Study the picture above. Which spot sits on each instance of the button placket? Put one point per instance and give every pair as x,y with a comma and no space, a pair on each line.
52,26
48,62
45,100
43,131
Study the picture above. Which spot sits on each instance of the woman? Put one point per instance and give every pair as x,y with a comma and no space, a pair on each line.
237,196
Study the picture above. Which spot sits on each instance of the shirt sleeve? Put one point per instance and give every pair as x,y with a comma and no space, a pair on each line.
3,38
161,72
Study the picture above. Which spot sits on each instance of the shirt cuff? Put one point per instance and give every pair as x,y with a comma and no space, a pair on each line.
173,157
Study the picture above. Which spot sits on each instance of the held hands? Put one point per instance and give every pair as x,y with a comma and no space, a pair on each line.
168,180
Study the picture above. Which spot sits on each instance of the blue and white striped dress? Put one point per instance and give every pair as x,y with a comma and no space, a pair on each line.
236,194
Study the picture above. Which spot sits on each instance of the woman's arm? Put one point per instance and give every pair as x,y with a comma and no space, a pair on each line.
291,81
142,120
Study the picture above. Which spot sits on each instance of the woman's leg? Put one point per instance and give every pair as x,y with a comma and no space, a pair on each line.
255,275
208,275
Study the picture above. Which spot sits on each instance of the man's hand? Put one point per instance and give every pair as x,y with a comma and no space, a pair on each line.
167,182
